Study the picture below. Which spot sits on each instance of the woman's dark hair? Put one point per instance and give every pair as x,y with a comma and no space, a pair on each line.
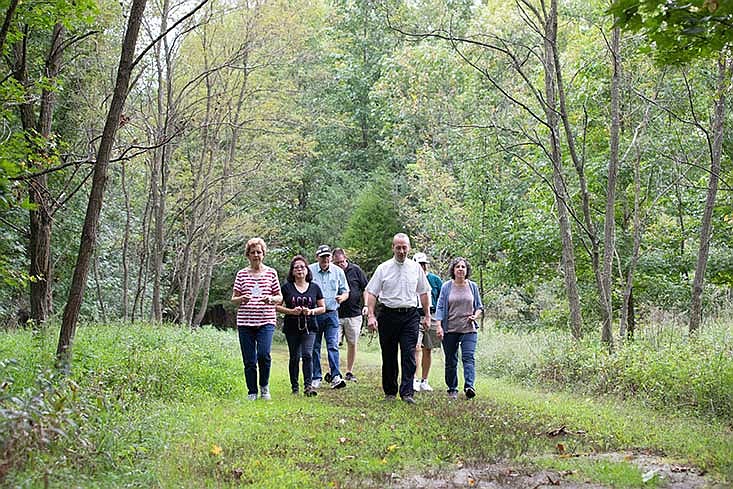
308,274
451,269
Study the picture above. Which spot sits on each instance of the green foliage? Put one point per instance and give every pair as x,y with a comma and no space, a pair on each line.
678,31
37,419
662,370
374,222
116,425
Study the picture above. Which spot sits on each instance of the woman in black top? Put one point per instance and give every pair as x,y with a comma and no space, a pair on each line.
302,301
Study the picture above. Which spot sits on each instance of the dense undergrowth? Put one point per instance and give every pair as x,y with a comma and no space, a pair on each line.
117,371
162,406
662,367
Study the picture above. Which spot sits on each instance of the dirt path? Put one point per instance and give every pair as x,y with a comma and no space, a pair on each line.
508,476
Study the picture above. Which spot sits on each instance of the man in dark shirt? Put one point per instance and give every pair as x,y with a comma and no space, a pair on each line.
352,309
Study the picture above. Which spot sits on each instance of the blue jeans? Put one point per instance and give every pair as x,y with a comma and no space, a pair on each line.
300,347
467,342
256,343
328,326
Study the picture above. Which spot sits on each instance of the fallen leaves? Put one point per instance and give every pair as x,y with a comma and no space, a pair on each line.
557,432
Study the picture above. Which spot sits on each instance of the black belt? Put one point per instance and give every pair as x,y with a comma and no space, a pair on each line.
399,310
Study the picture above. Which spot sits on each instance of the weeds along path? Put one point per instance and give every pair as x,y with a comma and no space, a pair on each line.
166,407
506,437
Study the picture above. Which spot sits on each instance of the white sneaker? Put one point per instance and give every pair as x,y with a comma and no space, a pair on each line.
425,387
265,392
416,385
337,382
316,383
251,397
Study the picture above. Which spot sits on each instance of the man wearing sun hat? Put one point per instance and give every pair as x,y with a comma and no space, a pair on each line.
427,339
335,288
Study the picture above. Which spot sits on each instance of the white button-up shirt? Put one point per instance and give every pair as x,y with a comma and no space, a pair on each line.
399,284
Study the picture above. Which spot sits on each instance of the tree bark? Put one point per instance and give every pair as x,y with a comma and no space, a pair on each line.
579,164
609,240
561,196
715,146
9,15
99,179
627,307
40,215
158,175
125,244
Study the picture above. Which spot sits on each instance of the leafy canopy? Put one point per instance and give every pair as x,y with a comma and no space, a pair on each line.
678,31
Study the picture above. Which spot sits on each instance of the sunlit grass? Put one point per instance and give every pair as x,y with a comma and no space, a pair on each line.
165,407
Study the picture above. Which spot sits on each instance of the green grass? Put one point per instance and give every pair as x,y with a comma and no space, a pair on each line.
663,368
165,407
612,473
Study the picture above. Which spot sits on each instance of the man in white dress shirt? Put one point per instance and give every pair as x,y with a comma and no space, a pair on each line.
395,284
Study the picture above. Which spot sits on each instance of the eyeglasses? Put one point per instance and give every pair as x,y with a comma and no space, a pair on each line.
341,262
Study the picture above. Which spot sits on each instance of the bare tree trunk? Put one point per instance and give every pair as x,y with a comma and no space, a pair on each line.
561,195
160,158
40,216
631,316
579,164
9,15
125,244
138,306
627,306
98,286
609,240
715,147
99,179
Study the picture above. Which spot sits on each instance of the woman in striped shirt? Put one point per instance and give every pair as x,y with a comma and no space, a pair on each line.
256,292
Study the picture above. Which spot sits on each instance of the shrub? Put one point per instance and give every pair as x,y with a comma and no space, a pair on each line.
663,369
35,420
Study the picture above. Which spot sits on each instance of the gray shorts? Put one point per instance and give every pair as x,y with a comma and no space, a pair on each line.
429,340
351,329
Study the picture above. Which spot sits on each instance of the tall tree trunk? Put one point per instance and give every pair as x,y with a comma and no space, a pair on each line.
9,15
160,157
125,244
579,164
561,195
138,305
40,215
626,320
41,268
99,179
98,286
609,240
715,146
631,316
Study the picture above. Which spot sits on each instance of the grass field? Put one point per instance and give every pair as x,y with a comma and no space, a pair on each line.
164,407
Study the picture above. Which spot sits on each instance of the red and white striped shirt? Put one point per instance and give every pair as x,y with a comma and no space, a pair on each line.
256,313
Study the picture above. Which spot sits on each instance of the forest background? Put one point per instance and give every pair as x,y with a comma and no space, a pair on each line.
583,170
582,177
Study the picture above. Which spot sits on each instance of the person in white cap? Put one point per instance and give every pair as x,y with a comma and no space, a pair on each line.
352,310
335,288
427,339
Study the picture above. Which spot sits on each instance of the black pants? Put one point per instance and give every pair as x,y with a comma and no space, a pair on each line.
398,330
